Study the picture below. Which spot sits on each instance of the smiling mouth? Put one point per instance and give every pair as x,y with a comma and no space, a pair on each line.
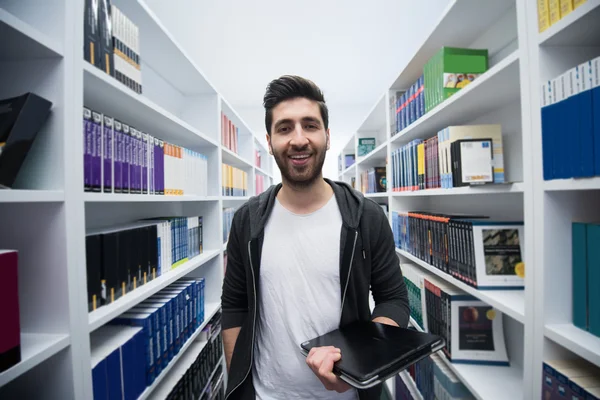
300,159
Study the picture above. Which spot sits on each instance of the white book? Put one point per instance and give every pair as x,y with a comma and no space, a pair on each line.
585,73
557,92
543,98
596,72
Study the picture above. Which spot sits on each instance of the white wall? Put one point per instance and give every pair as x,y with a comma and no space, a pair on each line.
352,49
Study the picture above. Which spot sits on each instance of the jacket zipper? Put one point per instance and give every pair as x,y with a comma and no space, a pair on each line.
349,269
253,325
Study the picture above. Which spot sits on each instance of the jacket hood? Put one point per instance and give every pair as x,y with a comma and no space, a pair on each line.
350,203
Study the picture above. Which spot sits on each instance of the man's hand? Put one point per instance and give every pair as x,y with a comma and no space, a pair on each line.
321,360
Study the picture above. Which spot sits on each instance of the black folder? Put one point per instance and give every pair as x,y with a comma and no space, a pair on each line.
373,352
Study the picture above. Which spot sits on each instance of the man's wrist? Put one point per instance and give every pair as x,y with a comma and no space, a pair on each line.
385,320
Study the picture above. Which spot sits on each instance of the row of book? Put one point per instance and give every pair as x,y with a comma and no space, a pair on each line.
111,43
230,133
119,260
119,158
21,119
407,106
472,329
10,339
227,220
552,11
457,156
434,380
235,181
130,352
203,380
573,379
586,276
482,253
373,180
571,108
260,183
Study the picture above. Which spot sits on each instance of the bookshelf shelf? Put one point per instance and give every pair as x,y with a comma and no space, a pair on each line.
461,191
579,28
35,349
376,195
510,302
486,382
580,342
262,172
105,94
22,41
572,184
186,356
348,170
142,198
105,313
31,196
235,199
375,157
494,89
235,160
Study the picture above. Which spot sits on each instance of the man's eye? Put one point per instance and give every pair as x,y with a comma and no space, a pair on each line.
283,129
312,127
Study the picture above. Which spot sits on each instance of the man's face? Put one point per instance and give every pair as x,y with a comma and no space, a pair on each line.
298,141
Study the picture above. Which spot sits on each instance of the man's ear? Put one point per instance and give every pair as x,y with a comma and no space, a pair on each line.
268,137
328,142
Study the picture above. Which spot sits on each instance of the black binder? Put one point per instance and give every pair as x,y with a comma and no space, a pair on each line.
373,352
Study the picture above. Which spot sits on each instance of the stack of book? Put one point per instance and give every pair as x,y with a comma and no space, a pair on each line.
574,379
407,107
118,260
450,70
373,180
204,378
552,11
10,340
571,109
111,43
119,158
235,181
457,156
227,220
131,351
229,133
586,277
482,253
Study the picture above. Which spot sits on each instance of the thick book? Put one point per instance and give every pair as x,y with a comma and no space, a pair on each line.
10,334
21,118
373,352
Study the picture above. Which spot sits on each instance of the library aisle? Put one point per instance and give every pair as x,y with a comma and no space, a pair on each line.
122,165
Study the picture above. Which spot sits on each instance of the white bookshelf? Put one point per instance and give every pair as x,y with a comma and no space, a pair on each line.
42,51
537,320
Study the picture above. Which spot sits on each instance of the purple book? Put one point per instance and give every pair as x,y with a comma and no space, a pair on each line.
155,166
126,158
96,156
107,154
87,149
118,157
161,167
140,161
134,161
145,158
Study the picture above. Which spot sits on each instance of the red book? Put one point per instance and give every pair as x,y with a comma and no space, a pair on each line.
10,333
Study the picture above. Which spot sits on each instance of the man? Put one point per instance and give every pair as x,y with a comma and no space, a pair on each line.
301,259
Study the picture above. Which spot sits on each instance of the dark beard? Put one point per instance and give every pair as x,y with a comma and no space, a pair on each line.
306,181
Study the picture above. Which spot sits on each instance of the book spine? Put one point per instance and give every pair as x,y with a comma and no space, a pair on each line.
88,138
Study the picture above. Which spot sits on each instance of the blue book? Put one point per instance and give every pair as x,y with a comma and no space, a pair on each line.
113,374
596,128
580,295
99,379
179,317
144,321
159,320
593,278
546,143
583,108
173,308
168,333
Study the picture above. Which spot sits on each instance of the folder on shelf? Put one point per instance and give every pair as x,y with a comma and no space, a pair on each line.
373,352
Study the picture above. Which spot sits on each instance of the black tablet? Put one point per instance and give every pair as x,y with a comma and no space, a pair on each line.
373,352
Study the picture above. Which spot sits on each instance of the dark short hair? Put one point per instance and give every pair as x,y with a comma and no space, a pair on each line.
290,87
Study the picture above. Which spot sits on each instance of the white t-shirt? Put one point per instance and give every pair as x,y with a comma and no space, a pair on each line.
299,299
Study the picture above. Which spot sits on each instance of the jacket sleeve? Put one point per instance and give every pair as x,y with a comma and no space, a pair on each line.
387,282
234,298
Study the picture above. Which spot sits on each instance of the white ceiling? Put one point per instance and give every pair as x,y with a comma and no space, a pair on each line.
352,49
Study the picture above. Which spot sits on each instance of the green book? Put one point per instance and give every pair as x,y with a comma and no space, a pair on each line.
580,298
593,278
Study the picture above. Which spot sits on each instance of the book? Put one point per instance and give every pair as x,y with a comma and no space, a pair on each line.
10,334
91,41
21,119
472,162
105,36
569,378
365,146
125,45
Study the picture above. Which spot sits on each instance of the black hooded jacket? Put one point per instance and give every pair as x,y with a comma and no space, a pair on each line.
367,261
